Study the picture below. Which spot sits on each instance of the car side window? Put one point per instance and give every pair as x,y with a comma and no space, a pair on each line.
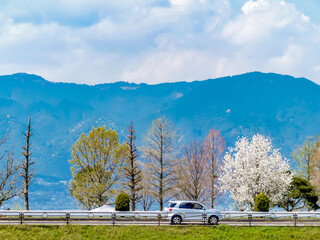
186,205
172,205
197,206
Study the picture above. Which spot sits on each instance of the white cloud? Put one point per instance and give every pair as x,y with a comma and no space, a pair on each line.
155,41
64,183
265,19
272,35
251,6
172,65
289,58
42,182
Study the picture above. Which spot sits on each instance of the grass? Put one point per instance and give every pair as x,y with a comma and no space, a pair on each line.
154,232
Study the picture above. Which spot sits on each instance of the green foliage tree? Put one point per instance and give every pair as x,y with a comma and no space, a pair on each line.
96,165
159,153
261,203
132,172
122,202
303,156
301,194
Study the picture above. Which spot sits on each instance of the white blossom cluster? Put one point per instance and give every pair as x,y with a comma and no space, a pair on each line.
253,167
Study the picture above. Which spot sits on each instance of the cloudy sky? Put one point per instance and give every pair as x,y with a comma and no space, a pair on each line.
153,41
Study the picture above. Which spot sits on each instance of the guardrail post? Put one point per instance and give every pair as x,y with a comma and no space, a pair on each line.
68,217
114,216
159,218
249,219
204,218
21,217
295,217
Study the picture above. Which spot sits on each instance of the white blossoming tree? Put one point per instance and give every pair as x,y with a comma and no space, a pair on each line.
253,167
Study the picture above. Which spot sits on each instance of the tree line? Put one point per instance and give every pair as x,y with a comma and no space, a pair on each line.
102,167
162,169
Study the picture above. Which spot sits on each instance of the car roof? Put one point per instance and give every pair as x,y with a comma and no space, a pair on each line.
180,201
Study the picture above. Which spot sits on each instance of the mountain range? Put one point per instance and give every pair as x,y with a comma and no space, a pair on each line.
284,108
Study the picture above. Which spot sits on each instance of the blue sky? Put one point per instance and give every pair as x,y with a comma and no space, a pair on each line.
153,41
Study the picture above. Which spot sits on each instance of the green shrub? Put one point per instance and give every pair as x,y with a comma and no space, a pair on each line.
122,202
261,203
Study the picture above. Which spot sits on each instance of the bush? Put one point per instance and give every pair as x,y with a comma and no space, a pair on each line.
122,202
261,203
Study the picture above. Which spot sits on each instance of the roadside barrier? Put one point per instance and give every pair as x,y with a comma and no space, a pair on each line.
157,218
272,218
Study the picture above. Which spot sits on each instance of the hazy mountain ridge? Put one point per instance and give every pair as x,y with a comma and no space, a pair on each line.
285,108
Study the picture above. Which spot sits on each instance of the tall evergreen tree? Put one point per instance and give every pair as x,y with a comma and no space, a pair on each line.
26,171
132,172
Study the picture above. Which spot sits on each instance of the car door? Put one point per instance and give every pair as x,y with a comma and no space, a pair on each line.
186,209
198,210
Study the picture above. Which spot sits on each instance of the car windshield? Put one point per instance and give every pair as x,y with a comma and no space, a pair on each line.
172,204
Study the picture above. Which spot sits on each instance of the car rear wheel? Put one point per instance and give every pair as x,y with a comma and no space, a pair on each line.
176,219
213,220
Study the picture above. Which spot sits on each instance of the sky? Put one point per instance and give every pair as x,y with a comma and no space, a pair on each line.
155,41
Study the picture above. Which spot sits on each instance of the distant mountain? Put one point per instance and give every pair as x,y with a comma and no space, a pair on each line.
284,108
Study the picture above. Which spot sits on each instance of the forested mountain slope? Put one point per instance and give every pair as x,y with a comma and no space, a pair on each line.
284,108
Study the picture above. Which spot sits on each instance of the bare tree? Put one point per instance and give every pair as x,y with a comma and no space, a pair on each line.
315,171
8,174
147,197
213,146
191,173
131,171
303,156
159,154
27,172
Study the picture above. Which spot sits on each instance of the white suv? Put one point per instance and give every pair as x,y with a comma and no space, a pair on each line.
179,211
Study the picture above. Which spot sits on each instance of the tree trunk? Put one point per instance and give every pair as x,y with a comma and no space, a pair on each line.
26,194
26,171
160,192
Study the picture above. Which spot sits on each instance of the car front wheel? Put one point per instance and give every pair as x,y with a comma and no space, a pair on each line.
176,220
213,220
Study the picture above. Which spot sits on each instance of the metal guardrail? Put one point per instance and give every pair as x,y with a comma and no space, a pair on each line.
306,218
14,217
152,217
